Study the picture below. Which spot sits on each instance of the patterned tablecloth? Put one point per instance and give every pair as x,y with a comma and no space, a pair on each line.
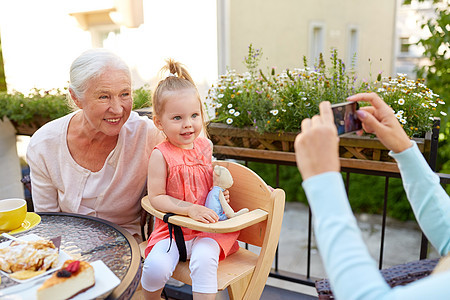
90,239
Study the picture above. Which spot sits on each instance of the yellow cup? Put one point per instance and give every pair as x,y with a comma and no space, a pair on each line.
12,213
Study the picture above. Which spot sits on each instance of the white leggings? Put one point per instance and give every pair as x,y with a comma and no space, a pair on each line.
204,259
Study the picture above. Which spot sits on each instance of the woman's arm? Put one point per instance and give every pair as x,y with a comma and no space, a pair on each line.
44,193
157,177
352,272
429,201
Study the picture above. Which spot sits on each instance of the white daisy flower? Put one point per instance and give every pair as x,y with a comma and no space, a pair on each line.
231,111
220,96
219,105
380,90
425,105
401,112
274,112
290,104
229,121
443,113
304,98
441,102
403,121
236,114
433,104
398,116
230,105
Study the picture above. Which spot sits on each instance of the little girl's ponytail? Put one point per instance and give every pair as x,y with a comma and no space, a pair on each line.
178,78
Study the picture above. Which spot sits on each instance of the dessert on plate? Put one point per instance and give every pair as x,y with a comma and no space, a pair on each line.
25,259
73,278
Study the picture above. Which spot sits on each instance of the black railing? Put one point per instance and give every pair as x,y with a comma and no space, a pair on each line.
307,279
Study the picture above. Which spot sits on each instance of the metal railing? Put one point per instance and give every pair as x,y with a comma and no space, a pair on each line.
307,279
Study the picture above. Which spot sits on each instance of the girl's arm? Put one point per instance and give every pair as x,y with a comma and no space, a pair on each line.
157,177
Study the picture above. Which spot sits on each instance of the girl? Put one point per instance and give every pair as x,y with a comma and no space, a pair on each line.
179,179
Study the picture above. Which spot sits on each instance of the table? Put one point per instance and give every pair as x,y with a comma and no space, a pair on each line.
90,239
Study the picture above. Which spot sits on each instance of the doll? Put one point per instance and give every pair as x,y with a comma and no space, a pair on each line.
215,200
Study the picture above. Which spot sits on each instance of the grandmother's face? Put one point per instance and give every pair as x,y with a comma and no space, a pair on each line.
107,102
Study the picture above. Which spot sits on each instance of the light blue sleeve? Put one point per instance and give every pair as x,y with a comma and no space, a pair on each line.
429,201
352,272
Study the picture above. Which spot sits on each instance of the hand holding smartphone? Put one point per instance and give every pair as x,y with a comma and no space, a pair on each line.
345,117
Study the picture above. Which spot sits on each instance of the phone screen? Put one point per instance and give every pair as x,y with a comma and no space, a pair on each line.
345,117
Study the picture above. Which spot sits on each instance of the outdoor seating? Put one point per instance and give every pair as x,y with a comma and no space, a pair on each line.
243,273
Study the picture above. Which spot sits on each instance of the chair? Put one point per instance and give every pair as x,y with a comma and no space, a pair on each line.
244,273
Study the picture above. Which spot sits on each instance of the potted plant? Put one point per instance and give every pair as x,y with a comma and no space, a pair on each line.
258,115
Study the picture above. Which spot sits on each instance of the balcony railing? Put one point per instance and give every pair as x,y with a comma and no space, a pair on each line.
306,278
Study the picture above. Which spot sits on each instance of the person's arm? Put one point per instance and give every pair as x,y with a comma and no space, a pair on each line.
429,201
43,192
352,272
157,176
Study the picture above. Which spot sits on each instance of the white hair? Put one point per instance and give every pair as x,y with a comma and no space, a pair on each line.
90,64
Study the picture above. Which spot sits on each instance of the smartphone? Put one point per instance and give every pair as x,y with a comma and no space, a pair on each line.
345,117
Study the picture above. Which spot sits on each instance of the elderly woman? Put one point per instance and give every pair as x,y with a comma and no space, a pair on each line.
94,160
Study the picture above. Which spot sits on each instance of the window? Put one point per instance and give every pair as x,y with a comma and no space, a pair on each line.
352,49
404,45
316,41
105,36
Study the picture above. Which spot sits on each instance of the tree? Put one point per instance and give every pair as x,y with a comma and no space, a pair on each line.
437,72
2,71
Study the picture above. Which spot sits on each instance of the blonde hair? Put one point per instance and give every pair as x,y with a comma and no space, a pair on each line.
178,79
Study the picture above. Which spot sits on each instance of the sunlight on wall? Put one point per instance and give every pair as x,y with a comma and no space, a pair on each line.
40,40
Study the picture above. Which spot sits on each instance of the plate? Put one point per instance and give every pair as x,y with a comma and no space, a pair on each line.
105,282
30,221
63,256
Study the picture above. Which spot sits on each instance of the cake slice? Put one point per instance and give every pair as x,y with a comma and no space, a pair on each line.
74,277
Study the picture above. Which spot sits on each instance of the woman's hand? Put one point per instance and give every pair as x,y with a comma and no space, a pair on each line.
380,119
317,146
202,214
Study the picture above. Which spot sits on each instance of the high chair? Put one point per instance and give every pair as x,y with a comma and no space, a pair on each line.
243,273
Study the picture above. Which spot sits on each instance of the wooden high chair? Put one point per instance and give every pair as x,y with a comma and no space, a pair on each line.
243,273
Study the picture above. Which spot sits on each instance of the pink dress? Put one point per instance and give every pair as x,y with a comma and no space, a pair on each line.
190,179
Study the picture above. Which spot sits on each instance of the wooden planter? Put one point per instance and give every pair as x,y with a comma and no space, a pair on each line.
29,129
356,152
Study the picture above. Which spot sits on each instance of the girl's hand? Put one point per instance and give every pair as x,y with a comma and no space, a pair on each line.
226,194
380,119
202,214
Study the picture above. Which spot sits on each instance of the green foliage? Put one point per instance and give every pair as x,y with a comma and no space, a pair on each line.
142,97
2,70
437,75
23,109
50,104
279,102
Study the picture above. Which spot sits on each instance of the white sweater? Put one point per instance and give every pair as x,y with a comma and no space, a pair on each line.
58,181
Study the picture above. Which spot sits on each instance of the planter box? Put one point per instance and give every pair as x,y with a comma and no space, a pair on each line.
29,129
356,152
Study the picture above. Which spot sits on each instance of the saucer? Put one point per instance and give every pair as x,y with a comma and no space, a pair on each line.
31,220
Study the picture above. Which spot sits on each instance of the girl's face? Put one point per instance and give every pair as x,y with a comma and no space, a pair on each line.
107,102
181,118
